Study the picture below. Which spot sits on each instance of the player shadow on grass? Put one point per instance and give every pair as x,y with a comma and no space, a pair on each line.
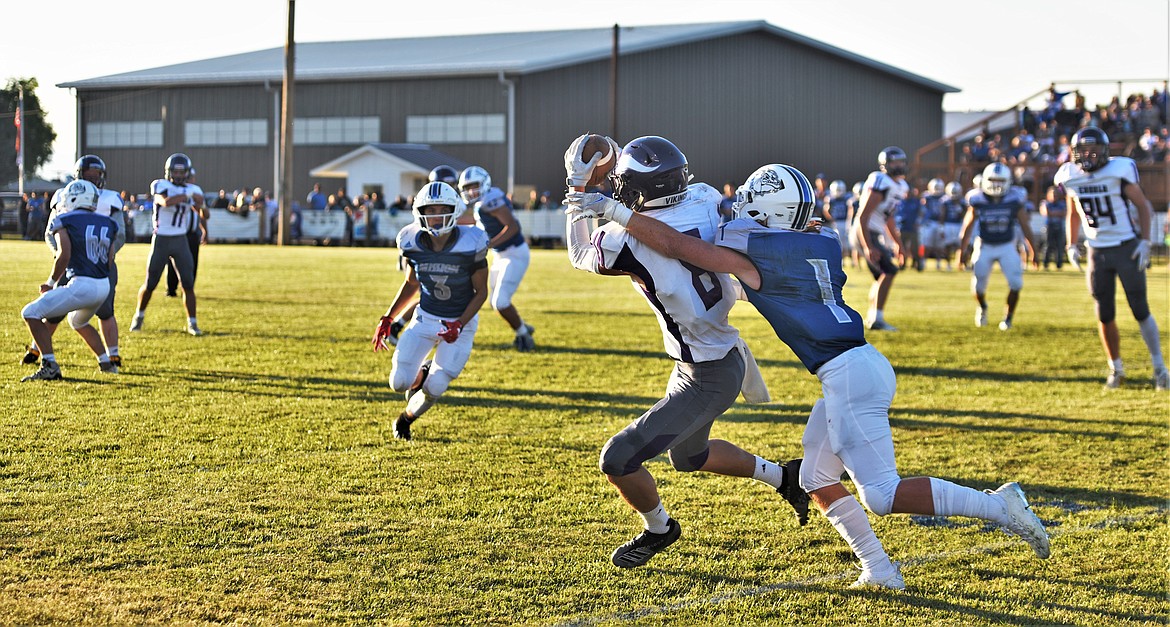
987,375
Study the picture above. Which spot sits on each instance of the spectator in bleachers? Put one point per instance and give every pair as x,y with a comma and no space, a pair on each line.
221,200
376,202
980,150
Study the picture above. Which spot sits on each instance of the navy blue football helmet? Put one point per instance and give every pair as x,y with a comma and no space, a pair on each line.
651,173
892,161
1090,148
88,162
444,174
177,168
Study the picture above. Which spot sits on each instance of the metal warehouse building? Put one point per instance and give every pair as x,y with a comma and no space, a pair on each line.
731,95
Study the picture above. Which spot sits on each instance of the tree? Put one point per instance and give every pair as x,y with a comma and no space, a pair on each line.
38,133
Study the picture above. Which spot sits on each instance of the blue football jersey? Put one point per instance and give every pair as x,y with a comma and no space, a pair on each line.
932,210
492,200
800,288
91,237
839,207
444,276
997,217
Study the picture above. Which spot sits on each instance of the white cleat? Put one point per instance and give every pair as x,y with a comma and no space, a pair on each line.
1114,380
880,325
1162,379
980,317
194,330
1006,325
892,581
1022,521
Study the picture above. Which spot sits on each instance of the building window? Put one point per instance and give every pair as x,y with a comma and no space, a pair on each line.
456,129
227,132
361,130
124,134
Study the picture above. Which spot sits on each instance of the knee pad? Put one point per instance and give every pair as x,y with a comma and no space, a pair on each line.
878,498
437,383
683,463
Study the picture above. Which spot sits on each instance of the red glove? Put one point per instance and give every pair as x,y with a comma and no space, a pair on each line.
382,333
451,330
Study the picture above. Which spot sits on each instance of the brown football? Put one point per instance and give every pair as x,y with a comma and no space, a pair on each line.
598,144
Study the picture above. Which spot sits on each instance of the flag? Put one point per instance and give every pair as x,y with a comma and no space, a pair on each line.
19,130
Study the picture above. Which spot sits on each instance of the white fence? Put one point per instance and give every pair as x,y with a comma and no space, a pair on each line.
225,226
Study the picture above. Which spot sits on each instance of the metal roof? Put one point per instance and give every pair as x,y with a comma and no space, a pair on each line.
459,55
422,156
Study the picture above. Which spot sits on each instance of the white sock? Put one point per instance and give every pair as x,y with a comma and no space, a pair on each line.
522,329
191,322
140,314
48,357
656,519
104,359
849,519
879,314
770,473
1149,328
112,351
951,499
1115,366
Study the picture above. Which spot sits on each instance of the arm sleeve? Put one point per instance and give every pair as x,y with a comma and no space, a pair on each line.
582,254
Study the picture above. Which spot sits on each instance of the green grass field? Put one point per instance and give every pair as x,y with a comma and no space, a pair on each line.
250,475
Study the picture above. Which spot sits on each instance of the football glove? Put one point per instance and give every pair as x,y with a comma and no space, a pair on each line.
583,205
1074,256
451,330
382,335
1142,254
578,171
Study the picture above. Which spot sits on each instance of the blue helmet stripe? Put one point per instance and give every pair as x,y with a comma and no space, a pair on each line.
804,210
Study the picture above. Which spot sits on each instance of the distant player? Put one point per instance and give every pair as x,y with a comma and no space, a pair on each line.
651,176
174,212
79,282
837,211
440,174
881,196
997,207
954,208
1100,189
447,275
795,280
931,227
91,168
510,254
196,235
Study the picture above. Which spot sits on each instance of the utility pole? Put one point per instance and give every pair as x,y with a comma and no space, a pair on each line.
286,134
613,87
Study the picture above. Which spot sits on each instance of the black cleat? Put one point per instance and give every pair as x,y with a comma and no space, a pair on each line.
49,371
31,355
402,426
791,491
645,545
116,360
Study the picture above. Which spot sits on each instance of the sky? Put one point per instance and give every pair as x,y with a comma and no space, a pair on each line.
997,52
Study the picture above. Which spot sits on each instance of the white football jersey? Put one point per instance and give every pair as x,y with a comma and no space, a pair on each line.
1100,199
691,303
109,202
895,191
175,219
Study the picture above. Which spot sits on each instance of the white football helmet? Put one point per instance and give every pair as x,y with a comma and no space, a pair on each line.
837,188
431,195
777,196
935,186
954,189
996,180
473,183
80,194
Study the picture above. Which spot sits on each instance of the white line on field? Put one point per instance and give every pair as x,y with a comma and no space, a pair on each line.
634,615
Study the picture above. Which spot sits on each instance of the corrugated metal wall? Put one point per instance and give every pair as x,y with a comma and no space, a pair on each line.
731,105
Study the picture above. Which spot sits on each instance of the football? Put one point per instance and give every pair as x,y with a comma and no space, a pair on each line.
595,144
